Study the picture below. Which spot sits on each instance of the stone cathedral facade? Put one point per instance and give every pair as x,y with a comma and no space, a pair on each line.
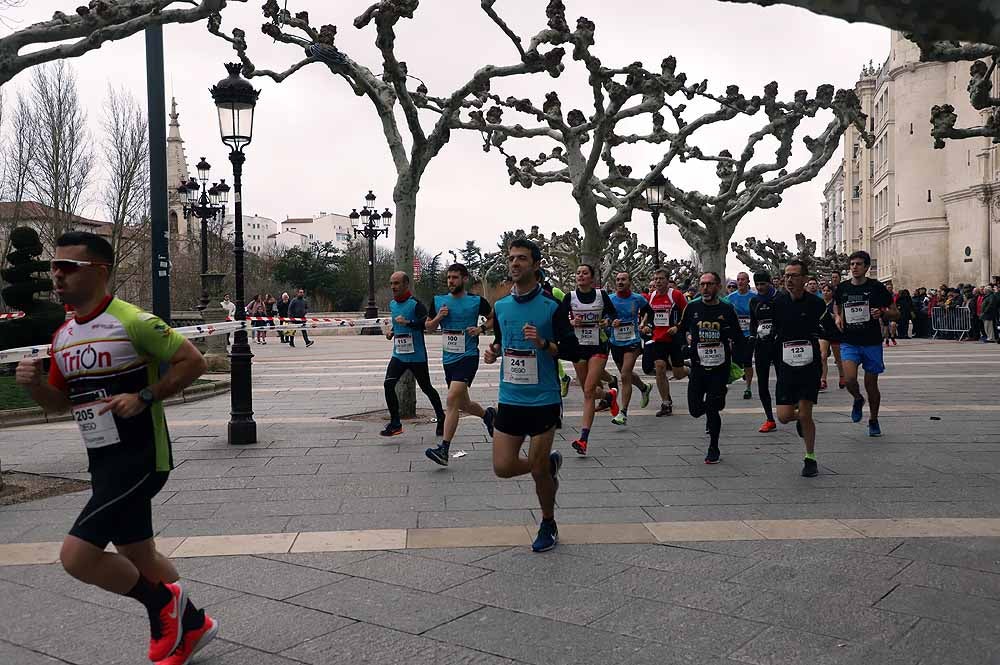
926,216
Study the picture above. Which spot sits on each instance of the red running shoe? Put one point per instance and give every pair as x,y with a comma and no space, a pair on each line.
613,394
193,642
165,634
768,426
580,446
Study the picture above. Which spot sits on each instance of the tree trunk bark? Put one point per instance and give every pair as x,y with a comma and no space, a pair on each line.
594,243
713,255
404,195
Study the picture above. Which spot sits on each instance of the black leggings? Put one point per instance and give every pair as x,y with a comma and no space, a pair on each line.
394,372
763,360
707,397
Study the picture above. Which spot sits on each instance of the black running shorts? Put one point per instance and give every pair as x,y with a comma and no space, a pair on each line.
464,369
668,351
120,511
618,352
527,420
798,385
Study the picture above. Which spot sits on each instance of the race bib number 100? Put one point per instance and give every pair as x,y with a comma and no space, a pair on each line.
454,341
520,367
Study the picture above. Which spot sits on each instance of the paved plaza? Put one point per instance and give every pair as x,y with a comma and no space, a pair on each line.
327,544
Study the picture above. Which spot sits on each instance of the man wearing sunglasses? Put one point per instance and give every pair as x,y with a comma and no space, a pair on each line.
715,341
105,368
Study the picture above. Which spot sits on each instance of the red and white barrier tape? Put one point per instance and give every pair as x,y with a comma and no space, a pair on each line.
221,328
11,315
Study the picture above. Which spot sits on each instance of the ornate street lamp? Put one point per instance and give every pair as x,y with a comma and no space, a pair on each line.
370,224
236,100
204,203
655,193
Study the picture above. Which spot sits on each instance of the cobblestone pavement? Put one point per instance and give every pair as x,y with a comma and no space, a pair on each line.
891,555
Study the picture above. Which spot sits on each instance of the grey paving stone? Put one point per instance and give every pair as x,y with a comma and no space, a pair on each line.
671,654
326,489
704,632
662,484
539,597
414,572
15,655
122,641
460,488
272,626
33,615
970,611
491,502
391,505
464,555
353,521
780,646
461,518
216,527
555,566
595,515
866,586
385,605
951,578
374,645
216,496
330,561
259,576
326,506
245,656
536,640
698,592
828,614
975,553
936,643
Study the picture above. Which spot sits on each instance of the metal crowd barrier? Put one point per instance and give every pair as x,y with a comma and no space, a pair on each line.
954,320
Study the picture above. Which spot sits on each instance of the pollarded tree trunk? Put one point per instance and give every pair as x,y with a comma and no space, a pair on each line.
713,255
404,195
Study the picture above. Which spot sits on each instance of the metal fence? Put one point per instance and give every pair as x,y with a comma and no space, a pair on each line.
951,320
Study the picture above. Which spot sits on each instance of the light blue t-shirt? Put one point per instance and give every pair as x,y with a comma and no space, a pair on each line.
741,303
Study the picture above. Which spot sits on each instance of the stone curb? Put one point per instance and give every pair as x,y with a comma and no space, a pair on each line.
35,415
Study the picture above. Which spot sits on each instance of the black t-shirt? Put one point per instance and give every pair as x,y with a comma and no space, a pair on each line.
797,321
715,335
855,303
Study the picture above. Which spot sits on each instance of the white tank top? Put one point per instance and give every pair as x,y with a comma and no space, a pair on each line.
591,312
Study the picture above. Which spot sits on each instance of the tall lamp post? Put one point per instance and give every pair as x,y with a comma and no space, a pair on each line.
235,100
370,224
205,203
655,192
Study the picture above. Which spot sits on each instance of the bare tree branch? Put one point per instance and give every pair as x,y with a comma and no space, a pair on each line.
91,26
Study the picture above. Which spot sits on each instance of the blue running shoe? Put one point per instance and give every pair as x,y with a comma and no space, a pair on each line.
859,403
438,455
874,429
548,536
555,463
489,416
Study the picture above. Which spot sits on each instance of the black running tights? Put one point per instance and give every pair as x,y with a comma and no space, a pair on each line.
763,360
707,397
394,372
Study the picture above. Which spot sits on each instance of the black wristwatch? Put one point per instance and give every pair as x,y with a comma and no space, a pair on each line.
146,395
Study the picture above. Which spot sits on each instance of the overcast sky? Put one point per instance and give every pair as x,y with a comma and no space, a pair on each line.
317,147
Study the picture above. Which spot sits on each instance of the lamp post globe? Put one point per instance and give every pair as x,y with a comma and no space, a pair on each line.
655,195
370,224
236,100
